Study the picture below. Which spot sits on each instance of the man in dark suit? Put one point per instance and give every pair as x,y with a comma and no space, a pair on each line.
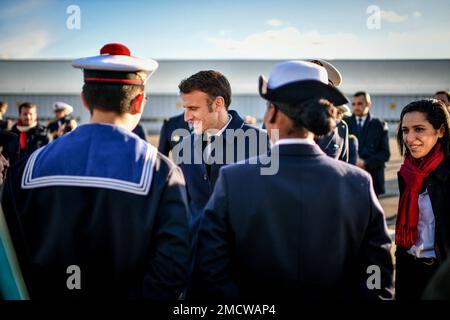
274,236
220,136
166,140
373,139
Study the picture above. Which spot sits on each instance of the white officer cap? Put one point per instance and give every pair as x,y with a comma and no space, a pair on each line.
345,110
334,76
297,81
115,64
62,106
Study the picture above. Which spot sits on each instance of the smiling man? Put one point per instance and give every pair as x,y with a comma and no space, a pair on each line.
220,136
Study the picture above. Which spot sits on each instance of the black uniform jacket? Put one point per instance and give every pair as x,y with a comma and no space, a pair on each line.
313,230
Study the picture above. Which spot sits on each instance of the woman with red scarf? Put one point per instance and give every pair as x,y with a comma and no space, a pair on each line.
422,232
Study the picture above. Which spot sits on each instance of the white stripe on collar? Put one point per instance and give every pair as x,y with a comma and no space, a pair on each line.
295,141
140,188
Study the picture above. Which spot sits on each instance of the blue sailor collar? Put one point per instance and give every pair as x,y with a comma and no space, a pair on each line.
93,155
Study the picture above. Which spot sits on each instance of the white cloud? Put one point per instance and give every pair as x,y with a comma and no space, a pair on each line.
274,22
21,8
391,16
287,43
417,14
24,44
224,32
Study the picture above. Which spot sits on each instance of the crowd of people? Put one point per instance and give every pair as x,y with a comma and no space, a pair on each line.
213,222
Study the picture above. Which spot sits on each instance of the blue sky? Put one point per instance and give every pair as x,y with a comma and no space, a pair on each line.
199,29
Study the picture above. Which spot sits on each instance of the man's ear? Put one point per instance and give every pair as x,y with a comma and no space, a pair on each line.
219,103
137,104
85,104
272,113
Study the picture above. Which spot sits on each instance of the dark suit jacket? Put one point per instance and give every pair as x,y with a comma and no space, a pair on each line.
198,183
140,132
166,141
292,234
335,144
373,147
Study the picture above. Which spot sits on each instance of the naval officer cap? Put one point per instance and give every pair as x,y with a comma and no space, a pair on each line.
334,76
59,106
115,64
298,81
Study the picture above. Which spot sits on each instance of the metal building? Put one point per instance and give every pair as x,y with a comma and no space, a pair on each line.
392,84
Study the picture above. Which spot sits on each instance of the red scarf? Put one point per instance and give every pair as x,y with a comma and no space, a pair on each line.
413,172
22,137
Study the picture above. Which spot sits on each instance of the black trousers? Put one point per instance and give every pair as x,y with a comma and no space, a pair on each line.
412,275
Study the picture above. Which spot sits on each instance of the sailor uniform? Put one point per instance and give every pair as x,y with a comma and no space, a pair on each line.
102,199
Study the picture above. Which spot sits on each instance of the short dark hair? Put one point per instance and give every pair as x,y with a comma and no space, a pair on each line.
446,93
114,97
436,113
364,94
211,82
28,105
3,104
315,115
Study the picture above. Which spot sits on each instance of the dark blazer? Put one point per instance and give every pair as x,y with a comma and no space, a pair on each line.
373,147
335,144
292,234
438,185
166,141
36,138
199,183
140,132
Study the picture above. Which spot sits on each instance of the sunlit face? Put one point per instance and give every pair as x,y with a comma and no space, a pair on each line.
28,116
197,113
360,106
419,136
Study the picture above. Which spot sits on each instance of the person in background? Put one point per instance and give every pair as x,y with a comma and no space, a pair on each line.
31,134
344,111
335,143
63,121
443,96
5,124
373,139
422,232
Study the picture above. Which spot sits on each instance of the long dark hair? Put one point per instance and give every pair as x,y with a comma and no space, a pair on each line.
436,113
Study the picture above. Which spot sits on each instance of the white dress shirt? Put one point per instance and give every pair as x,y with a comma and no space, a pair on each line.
424,246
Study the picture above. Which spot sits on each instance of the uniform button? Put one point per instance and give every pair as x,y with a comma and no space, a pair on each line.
205,177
